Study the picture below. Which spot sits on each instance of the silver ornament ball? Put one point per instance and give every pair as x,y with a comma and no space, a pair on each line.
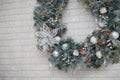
57,38
103,10
93,40
115,35
55,53
76,53
99,54
65,46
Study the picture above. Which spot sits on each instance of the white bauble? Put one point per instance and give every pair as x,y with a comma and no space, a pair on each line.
93,40
65,46
76,53
115,35
55,53
57,38
103,10
99,54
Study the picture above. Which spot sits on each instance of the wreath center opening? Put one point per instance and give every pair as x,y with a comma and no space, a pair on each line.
78,20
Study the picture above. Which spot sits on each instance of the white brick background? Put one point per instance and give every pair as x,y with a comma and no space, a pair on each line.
19,57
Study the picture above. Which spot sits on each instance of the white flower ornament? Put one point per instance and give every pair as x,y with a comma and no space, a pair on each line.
46,38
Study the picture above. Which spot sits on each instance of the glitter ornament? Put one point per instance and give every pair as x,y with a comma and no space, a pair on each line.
76,53
115,35
65,46
57,38
55,53
99,54
103,10
93,40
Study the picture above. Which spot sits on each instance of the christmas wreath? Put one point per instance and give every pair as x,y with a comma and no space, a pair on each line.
100,48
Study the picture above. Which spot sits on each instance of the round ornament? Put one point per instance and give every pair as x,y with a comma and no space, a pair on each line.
57,38
103,10
99,54
55,53
76,53
93,40
65,46
115,35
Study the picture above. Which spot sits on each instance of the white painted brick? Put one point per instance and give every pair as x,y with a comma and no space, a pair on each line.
19,57
16,36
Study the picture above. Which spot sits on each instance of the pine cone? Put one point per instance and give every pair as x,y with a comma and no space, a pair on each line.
100,42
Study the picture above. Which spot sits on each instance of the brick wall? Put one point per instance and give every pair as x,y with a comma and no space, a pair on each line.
19,57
